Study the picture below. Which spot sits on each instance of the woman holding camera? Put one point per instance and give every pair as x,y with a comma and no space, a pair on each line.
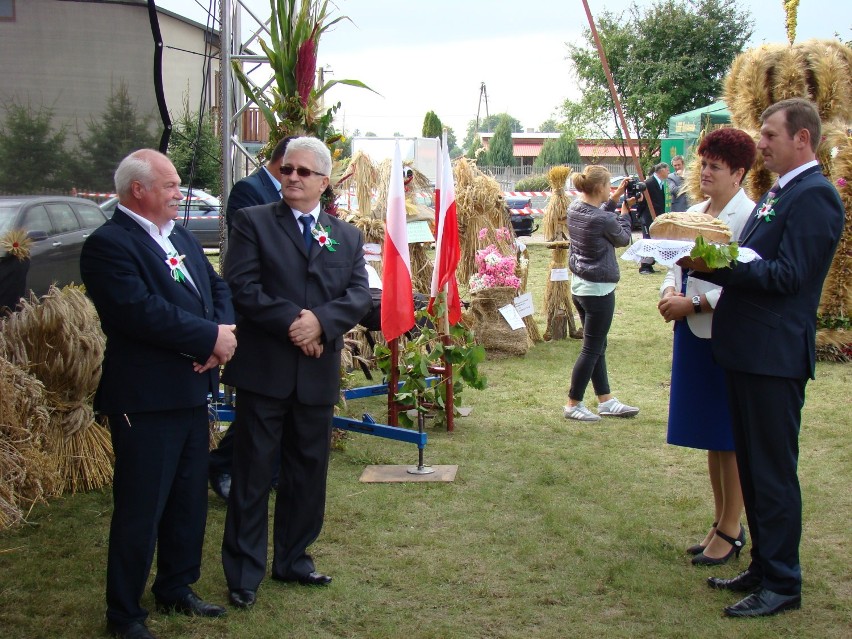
699,416
595,231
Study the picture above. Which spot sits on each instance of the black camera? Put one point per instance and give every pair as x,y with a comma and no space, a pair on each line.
634,187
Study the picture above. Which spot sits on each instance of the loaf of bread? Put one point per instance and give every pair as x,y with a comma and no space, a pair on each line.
688,226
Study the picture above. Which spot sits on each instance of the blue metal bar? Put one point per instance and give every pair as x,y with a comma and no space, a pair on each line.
379,389
369,427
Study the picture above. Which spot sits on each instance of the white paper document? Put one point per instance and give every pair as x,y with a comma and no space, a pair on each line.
559,275
524,304
510,314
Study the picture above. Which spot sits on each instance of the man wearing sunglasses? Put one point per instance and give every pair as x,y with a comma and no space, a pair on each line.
299,284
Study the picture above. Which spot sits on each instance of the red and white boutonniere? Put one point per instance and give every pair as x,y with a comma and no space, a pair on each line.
174,261
323,237
766,211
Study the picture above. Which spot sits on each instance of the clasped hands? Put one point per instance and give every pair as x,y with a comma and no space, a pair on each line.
674,306
223,349
305,332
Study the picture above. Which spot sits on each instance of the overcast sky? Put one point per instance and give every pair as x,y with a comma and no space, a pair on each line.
423,55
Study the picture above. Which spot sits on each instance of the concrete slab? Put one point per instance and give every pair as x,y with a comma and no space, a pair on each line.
396,474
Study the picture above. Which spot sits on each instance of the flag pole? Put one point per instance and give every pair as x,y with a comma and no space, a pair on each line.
393,382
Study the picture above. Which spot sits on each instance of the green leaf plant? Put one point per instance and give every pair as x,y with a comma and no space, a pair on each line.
421,354
715,255
292,105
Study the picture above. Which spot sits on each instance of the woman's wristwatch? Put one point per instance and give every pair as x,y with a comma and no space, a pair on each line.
696,303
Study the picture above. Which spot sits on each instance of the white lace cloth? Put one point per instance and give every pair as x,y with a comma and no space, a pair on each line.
667,252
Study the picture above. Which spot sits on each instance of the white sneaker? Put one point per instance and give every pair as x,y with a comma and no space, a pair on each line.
614,408
580,413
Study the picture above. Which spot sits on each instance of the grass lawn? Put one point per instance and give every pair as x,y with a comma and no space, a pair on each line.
552,528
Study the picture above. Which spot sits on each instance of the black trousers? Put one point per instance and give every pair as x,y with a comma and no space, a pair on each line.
222,457
766,413
596,314
159,500
300,436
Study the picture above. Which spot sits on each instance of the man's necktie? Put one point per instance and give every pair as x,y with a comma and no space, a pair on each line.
306,221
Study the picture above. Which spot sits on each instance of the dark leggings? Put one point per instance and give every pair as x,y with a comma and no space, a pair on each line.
596,316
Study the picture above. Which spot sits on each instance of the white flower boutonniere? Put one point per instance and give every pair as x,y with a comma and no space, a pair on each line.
174,261
323,237
766,211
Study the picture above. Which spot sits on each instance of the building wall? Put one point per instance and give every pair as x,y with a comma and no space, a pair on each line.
71,55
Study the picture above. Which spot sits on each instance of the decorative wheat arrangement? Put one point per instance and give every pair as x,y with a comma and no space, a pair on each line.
821,71
58,340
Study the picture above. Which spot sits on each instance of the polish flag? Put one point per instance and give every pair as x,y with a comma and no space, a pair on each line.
447,249
397,298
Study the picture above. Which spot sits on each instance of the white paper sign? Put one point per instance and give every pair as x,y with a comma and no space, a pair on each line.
510,314
524,304
419,232
372,252
559,275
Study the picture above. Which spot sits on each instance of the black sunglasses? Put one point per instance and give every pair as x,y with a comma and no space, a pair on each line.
300,171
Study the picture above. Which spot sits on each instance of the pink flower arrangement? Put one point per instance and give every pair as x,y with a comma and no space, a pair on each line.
493,268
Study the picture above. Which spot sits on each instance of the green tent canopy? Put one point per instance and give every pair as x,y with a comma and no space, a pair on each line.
691,123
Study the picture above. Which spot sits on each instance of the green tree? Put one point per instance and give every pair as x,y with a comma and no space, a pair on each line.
549,126
665,59
561,150
488,124
33,158
500,150
432,127
474,150
196,151
119,131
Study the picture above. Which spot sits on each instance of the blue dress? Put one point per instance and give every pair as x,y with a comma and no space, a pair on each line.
699,414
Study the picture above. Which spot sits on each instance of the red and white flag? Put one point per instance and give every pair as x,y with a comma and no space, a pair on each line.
447,248
397,298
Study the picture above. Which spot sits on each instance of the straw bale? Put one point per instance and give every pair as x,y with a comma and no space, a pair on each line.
479,205
558,308
58,340
26,474
421,268
789,78
836,298
828,76
555,221
366,178
748,93
491,329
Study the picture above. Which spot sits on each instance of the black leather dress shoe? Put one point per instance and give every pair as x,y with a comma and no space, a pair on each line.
242,597
764,603
221,485
136,630
746,581
191,605
311,579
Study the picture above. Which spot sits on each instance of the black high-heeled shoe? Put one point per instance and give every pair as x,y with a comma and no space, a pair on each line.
697,549
736,547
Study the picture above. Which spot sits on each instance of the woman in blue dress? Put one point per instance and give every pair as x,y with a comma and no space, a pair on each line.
699,416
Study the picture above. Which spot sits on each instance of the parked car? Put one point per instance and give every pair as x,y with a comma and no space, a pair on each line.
520,216
57,226
200,211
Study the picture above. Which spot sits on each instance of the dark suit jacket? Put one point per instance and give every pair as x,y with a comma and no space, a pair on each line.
253,190
272,278
155,327
655,192
765,321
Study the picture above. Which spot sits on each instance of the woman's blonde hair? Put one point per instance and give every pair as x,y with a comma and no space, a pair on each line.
591,179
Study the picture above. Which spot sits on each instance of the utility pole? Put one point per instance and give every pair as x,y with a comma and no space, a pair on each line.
483,95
